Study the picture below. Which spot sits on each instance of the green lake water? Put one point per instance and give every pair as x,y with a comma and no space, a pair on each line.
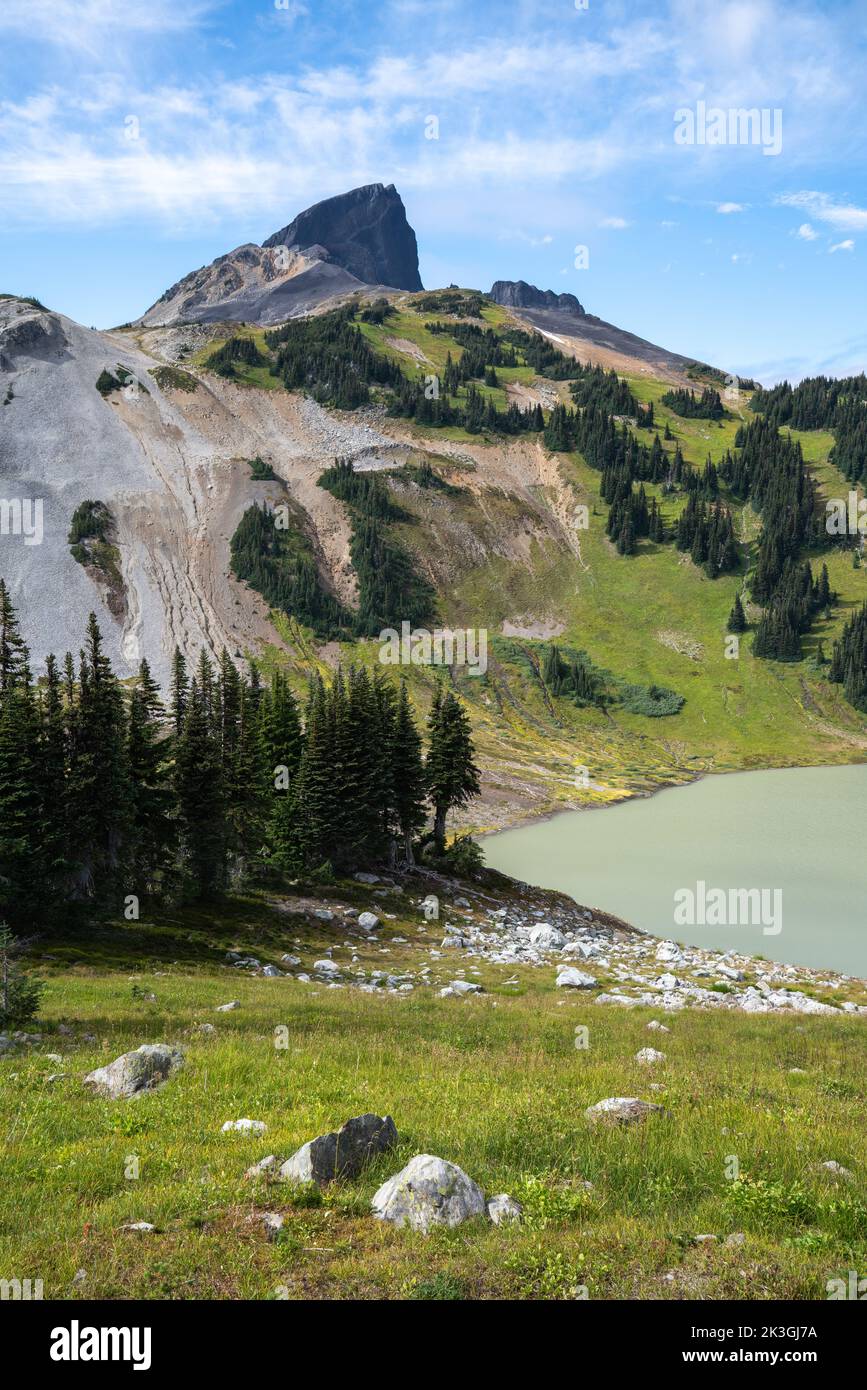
800,831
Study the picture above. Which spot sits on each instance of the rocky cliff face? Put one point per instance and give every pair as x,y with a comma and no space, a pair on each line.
339,247
364,231
517,294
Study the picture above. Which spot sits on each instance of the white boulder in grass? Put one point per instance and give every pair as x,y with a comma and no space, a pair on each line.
368,921
244,1126
428,1192
649,1055
503,1210
622,1110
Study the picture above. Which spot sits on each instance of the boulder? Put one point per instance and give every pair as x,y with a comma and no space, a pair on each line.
622,1110
503,1210
227,1008
273,1223
343,1153
428,1192
570,978
368,921
264,1168
546,937
141,1070
245,1126
669,951
326,967
649,1055
654,1026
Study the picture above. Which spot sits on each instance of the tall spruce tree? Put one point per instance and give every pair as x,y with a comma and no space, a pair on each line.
450,770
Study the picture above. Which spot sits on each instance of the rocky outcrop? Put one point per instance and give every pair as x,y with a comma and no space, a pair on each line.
338,247
364,231
517,294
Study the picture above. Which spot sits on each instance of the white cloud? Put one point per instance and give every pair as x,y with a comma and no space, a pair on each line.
847,245
616,223
729,207
843,217
87,25
807,233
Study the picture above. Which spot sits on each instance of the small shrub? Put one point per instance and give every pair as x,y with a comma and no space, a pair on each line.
20,993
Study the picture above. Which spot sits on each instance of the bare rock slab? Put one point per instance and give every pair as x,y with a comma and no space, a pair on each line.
428,1192
343,1153
141,1070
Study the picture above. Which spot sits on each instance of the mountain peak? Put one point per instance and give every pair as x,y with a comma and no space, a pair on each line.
517,294
364,231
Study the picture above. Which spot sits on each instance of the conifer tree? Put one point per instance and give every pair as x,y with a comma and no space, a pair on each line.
451,773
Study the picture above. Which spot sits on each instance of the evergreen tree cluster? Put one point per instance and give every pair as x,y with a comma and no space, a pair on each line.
692,406
108,798
329,357
796,600
706,531
390,588
849,660
605,390
279,563
235,351
824,403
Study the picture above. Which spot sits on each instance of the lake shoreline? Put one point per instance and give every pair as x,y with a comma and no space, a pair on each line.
797,842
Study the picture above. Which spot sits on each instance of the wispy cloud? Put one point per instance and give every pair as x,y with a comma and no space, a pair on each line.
844,217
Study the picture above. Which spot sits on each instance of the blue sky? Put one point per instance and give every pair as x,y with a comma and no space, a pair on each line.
141,138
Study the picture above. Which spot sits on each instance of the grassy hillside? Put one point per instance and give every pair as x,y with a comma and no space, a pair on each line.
504,554
494,1083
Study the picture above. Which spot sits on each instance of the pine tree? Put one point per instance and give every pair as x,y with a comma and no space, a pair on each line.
450,770
737,618
408,777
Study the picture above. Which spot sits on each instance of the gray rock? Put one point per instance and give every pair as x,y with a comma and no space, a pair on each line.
736,1238
141,1070
570,978
503,1210
144,1226
428,1192
366,878
245,1126
546,937
273,1223
622,1110
227,1008
654,1026
326,967
265,1167
649,1055
343,1153
837,1170
368,921
206,1030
